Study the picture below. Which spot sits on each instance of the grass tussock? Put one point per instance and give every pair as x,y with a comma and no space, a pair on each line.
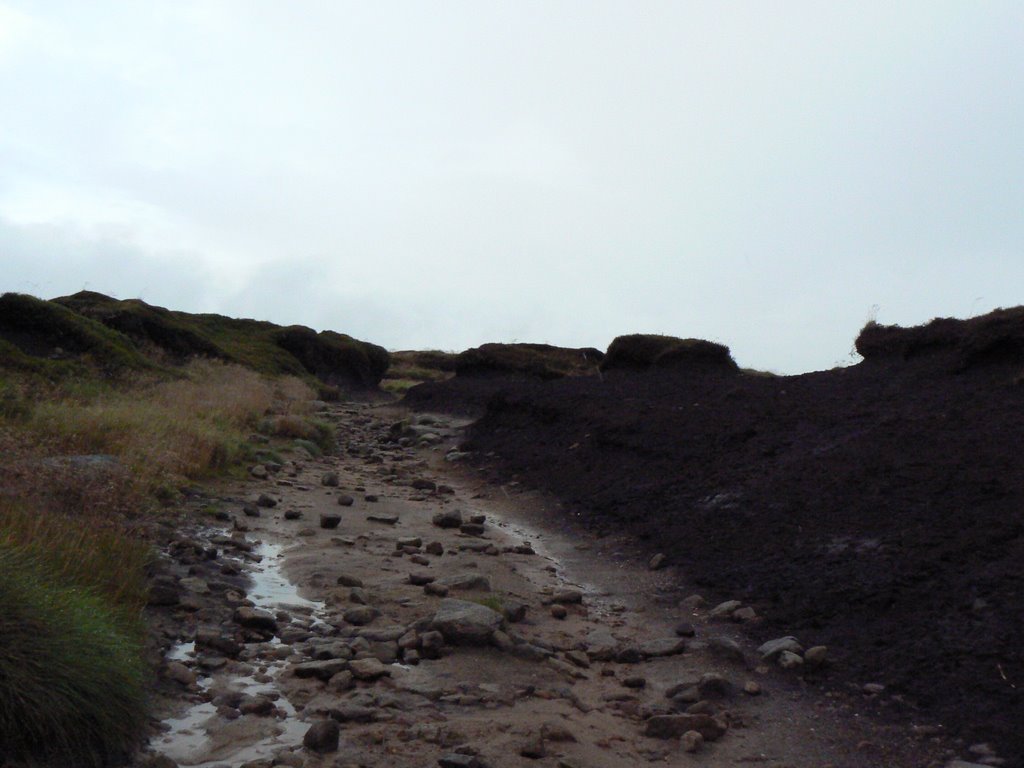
84,460
71,677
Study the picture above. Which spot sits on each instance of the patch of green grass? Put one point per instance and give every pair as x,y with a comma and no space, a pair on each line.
309,446
491,601
71,679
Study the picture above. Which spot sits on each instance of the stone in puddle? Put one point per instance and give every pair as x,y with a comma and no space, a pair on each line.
322,737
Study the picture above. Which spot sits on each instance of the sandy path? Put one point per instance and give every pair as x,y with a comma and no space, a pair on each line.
543,692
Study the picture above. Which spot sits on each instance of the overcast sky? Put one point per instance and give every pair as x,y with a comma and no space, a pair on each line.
440,174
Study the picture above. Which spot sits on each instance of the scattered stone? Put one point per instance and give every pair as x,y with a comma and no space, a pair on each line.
434,548
259,472
567,597
533,749
790,660
579,658
260,706
345,500
347,580
330,520
196,585
385,519
657,562
472,582
321,670
251,510
420,579
451,518
462,622
514,610
634,681
691,741
408,541
424,485
368,669
557,732
726,648
559,611
873,689
179,673
816,655
713,685
266,501
372,498
435,590
330,479
752,688
726,609
745,614
601,645
361,615
674,726
292,514
685,629
322,737
472,529
775,647
667,646
693,603
254,618
456,760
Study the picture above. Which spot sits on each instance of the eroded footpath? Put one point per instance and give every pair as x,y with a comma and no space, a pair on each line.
385,607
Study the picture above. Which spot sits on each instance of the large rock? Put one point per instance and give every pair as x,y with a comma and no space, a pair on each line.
254,618
465,623
322,737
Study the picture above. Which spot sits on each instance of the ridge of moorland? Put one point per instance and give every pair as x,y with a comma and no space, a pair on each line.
874,509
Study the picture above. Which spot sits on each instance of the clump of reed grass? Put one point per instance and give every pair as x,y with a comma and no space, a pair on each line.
71,678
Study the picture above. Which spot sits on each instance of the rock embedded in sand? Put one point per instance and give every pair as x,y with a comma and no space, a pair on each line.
419,578
330,479
361,615
691,741
345,500
464,623
330,520
348,580
264,500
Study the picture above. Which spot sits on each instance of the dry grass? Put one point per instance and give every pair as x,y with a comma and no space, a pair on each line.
165,431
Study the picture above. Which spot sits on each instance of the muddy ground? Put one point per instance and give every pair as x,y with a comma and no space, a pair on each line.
593,639
875,509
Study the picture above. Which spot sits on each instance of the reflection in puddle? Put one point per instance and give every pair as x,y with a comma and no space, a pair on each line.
188,740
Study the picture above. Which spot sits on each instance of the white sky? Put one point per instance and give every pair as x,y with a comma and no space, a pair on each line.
441,174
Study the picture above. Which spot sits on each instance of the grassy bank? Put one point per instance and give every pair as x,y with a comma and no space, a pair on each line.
87,463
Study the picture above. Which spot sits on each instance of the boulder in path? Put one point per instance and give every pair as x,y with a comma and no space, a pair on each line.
465,623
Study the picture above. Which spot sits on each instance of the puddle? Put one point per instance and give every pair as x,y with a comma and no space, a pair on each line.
189,740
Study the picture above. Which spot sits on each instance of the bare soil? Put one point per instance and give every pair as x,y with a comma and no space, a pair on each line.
485,700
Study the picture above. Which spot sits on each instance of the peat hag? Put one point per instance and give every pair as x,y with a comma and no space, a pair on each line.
876,509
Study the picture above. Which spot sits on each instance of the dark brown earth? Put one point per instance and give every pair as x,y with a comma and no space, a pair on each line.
877,509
